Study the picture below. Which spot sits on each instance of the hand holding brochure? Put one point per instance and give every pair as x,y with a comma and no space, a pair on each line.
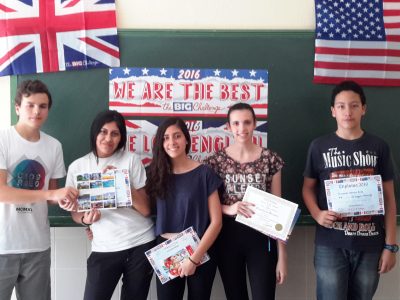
355,196
108,190
166,257
273,216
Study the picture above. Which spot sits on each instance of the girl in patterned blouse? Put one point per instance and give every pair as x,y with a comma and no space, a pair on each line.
240,247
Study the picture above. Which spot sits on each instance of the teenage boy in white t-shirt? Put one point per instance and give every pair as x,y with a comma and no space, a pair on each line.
31,162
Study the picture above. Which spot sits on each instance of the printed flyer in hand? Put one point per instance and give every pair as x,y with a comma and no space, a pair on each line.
108,190
166,257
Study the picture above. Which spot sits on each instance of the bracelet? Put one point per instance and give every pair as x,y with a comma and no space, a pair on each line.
195,263
83,223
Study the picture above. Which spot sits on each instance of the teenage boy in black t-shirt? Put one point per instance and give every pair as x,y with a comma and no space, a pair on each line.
350,252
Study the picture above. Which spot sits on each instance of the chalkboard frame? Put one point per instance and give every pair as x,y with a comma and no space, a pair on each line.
293,98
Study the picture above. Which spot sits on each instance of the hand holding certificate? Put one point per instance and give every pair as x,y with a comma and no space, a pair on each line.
355,196
273,216
166,257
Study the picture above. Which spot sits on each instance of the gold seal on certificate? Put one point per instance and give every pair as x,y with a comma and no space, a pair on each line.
273,216
355,196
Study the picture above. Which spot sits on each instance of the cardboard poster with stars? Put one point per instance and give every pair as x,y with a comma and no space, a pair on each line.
207,136
155,92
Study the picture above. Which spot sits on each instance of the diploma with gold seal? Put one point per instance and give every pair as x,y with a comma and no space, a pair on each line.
273,216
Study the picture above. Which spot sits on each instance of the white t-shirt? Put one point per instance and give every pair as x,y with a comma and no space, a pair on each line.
30,165
122,228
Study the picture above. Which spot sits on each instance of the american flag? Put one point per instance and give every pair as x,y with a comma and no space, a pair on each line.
357,40
56,35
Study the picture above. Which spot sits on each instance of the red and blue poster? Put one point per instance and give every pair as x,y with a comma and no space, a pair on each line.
56,35
207,137
186,92
201,97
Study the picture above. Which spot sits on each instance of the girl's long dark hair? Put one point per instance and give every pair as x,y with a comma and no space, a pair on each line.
161,167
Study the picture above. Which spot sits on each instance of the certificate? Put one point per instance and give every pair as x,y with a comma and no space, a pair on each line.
273,216
166,257
108,190
355,196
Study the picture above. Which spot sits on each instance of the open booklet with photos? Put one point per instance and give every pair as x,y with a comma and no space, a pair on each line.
166,257
108,190
273,216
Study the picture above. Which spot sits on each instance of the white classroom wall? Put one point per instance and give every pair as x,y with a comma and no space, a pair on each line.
216,14
70,246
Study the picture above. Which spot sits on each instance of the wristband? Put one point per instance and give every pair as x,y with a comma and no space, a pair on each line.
83,223
193,262
392,248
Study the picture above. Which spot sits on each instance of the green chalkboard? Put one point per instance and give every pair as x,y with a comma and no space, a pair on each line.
298,109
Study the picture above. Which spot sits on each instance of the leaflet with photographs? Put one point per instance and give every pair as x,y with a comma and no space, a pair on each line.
108,190
166,257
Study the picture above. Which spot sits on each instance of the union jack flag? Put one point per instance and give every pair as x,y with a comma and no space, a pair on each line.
57,35
358,40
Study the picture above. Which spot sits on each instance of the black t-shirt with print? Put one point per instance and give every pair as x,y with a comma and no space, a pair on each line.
331,157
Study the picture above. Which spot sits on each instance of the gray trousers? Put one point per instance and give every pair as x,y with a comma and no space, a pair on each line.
29,273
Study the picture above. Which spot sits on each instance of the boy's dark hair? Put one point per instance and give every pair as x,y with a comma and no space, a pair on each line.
30,87
241,106
160,167
102,118
348,85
